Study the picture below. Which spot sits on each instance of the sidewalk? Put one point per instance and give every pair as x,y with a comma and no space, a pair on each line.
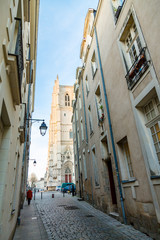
31,226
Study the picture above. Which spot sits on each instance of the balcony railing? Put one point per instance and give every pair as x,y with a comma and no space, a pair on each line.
117,10
137,69
19,52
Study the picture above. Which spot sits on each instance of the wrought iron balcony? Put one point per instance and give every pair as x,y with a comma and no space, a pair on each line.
19,52
138,68
14,59
118,10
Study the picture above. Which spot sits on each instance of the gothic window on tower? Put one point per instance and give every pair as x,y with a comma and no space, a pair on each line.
67,100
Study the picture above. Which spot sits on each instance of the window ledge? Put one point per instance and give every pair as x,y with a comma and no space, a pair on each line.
130,183
129,180
155,179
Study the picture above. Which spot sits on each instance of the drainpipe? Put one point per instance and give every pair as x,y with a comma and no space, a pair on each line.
77,151
110,129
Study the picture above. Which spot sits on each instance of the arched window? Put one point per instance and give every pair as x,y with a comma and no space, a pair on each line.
67,100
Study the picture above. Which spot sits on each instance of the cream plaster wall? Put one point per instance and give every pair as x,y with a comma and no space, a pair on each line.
140,195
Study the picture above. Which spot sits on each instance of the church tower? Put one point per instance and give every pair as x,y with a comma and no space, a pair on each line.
60,167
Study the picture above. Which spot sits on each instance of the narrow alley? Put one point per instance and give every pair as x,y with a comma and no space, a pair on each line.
67,218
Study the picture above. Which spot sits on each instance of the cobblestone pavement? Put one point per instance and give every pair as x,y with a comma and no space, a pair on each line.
67,218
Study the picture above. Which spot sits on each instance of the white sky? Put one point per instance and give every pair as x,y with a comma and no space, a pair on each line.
60,34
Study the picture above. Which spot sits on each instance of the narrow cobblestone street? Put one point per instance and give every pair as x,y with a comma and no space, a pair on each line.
67,218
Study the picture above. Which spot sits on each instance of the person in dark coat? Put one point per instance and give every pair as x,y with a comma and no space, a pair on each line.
29,196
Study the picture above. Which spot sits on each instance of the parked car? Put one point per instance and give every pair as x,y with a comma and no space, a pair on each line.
67,187
58,188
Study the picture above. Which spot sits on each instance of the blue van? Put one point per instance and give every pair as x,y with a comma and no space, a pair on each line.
67,187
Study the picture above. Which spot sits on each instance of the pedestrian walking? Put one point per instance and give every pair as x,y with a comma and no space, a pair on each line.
29,196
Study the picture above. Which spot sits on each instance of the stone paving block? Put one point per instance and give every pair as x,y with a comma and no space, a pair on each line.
67,218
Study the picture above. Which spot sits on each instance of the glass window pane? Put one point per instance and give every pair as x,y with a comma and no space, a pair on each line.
153,113
148,116
157,147
157,127
154,138
157,100
158,135
146,109
158,155
150,105
152,130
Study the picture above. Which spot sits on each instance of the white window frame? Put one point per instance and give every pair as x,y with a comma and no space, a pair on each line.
94,66
126,171
87,86
90,120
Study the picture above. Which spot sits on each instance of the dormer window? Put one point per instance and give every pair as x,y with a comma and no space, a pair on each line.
67,100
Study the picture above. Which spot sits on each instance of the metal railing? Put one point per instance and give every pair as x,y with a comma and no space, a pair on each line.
137,69
19,52
118,10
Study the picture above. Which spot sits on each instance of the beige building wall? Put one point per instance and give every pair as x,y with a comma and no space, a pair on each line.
17,80
60,147
125,55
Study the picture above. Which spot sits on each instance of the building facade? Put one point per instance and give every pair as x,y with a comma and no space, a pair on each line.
60,166
18,41
116,112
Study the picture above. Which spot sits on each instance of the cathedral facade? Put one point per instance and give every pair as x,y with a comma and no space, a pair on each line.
60,165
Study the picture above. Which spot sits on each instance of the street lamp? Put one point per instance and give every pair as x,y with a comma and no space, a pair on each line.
43,127
34,161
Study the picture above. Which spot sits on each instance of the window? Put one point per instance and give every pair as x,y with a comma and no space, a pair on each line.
90,120
134,53
94,159
152,117
78,138
99,105
82,133
87,86
67,100
84,164
125,160
80,103
70,134
93,64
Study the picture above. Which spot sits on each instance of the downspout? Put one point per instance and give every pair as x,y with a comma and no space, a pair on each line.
77,150
110,129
